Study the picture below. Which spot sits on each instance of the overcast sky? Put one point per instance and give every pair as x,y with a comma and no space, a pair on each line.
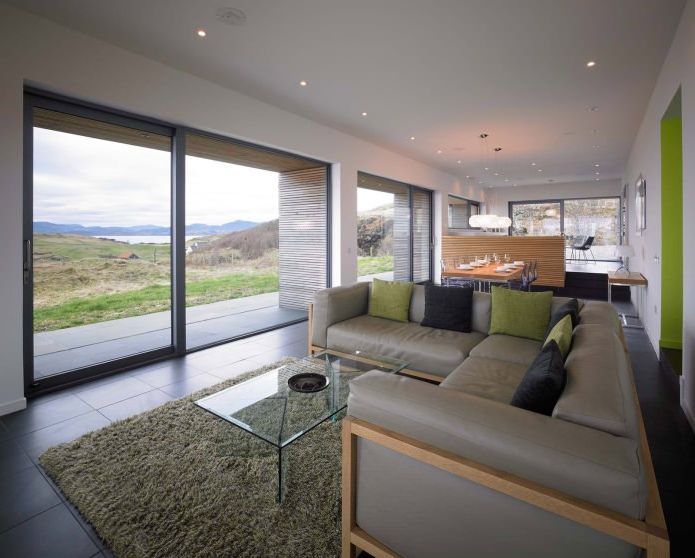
91,182
96,182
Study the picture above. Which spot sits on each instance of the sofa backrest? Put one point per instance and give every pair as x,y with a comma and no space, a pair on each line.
599,391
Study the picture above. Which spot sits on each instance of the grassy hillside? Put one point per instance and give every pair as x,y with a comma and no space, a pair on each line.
82,280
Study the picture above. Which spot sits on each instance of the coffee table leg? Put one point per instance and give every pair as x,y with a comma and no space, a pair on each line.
281,476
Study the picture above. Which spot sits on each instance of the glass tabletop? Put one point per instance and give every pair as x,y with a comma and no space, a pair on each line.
266,406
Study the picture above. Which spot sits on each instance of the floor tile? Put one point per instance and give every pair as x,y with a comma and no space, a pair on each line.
269,356
233,370
52,534
190,385
35,443
113,392
35,417
24,494
224,354
12,458
135,405
165,373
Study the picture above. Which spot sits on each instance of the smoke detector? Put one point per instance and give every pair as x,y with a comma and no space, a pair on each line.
231,16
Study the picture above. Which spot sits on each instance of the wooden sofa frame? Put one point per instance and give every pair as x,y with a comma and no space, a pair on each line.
650,534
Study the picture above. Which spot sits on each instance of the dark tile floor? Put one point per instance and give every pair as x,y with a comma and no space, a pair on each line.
36,521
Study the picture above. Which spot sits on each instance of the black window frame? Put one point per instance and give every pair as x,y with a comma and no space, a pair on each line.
471,203
562,201
38,98
410,188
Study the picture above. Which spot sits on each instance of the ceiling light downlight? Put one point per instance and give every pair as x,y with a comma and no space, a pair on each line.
591,64
303,83
201,33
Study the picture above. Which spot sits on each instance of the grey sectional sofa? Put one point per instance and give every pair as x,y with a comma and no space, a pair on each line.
452,469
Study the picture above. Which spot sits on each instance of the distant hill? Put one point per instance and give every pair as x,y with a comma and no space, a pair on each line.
251,243
47,227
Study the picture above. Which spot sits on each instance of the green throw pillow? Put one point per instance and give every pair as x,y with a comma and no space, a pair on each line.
520,313
390,300
562,335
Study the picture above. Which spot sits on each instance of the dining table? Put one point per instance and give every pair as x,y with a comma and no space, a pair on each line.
484,275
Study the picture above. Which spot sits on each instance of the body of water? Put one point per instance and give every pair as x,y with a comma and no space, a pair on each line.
144,239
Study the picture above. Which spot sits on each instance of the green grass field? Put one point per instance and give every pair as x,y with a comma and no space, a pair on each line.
369,265
81,280
156,298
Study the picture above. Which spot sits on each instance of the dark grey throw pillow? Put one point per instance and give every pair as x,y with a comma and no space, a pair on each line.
543,382
570,307
448,307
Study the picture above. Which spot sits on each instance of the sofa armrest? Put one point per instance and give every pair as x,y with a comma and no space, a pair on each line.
336,305
582,462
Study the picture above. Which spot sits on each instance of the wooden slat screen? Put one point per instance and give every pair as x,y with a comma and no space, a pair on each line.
247,155
303,236
401,236
548,251
70,124
422,235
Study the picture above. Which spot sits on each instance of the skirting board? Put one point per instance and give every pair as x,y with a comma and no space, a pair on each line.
684,405
13,406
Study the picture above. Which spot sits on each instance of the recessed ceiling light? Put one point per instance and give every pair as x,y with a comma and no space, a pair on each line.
540,170
598,179
439,151
497,174
468,176
590,64
595,146
486,168
201,33
506,180
459,161
533,164
412,138
364,114
303,83
597,165
597,172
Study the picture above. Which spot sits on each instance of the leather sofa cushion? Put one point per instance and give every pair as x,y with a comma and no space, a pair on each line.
486,377
508,348
597,312
599,391
435,351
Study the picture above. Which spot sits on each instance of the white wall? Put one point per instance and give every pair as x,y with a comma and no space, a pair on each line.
645,158
38,52
499,198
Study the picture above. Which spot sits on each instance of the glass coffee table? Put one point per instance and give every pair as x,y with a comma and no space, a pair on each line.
265,406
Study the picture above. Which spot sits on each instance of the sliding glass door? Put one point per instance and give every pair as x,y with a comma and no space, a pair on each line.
98,239
578,219
144,241
394,230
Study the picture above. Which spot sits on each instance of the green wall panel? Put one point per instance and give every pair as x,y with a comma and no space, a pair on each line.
671,233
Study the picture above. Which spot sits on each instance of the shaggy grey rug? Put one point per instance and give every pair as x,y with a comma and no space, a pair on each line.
179,482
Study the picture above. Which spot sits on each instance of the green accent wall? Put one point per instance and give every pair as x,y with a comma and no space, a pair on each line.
671,233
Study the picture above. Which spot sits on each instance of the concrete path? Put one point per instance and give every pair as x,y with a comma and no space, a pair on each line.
76,347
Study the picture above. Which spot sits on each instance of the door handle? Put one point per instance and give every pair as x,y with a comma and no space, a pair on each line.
28,257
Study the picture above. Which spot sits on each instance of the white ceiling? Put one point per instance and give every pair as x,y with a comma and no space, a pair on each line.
440,70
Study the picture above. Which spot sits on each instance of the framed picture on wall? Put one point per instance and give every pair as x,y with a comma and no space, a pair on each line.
640,205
